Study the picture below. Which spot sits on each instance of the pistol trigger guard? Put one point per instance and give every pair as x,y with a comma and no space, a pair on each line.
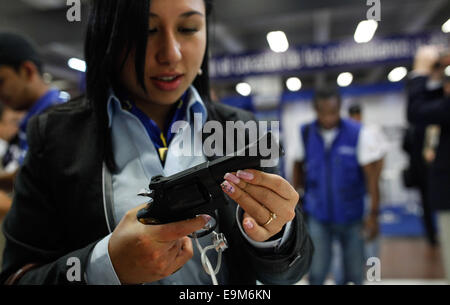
144,217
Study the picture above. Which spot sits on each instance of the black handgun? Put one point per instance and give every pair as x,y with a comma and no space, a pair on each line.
197,190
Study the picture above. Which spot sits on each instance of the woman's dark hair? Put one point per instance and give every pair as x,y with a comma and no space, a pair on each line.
116,26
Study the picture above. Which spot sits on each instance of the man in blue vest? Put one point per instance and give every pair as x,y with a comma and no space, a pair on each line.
335,164
22,88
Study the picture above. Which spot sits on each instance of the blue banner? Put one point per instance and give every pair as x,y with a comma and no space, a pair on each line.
344,54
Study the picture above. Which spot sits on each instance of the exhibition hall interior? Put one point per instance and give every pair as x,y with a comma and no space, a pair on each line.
270,58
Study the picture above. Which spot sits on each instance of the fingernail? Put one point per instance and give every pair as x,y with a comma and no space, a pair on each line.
245,175
227,187
232,178
206,217
248,224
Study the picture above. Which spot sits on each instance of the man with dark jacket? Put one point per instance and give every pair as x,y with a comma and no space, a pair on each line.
424,108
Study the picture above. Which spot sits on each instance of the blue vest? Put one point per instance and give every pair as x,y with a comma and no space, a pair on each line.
335,184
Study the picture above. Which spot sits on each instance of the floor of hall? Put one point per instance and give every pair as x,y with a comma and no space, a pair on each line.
406,261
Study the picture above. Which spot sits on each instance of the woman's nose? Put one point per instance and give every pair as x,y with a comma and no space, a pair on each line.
169,50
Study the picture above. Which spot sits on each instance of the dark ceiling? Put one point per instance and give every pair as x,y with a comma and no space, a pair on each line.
238,26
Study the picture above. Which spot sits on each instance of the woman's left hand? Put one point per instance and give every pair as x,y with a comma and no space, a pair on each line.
268,201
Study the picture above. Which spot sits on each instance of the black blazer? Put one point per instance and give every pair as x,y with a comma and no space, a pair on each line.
428,108
58,210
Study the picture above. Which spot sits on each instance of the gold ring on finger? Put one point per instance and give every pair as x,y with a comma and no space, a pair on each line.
272,217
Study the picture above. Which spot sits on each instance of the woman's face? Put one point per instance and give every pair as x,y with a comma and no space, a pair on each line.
175,49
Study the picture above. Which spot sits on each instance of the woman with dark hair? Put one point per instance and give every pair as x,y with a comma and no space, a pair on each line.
76,196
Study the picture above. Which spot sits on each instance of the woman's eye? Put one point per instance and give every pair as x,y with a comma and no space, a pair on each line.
188,30
181,30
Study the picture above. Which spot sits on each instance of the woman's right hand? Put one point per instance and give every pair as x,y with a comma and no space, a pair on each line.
147,253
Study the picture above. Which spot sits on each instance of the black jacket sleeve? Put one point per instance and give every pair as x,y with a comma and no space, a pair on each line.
288,264
291,262
33,229
425,108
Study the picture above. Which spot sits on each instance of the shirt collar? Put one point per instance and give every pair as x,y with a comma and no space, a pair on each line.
195,106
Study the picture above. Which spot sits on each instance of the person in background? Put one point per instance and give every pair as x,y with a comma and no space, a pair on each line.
377,134
420,143
372,248
429,104
22,88
336,162
354,112
9,126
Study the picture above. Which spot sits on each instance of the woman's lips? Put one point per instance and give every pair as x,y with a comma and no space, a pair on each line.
167,83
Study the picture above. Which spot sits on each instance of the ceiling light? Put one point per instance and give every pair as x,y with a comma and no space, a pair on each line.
446,26
46,4
447,70
397,74
278,41
344,79
244,89
64,95
77,64
365,31
294,84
